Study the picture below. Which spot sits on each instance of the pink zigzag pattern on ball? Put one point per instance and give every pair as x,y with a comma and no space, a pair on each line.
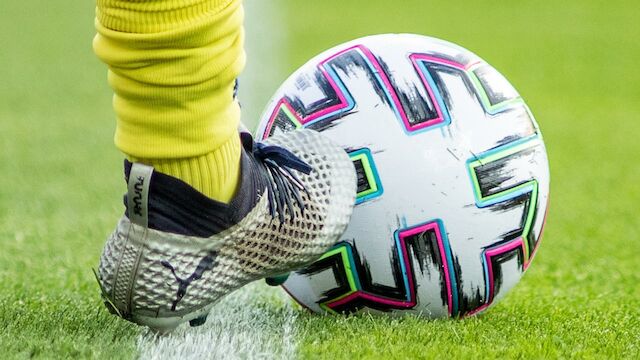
407,270
382,78
500,250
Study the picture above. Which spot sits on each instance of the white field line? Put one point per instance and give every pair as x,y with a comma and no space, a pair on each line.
255,321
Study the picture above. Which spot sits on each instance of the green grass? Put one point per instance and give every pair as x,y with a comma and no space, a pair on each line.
573,61
60,185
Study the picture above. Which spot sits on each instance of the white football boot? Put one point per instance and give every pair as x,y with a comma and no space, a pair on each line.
176,252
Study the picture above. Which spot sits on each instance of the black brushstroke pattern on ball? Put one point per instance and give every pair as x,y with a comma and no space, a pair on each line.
336,265
362,181
496,264
424,248
417,108
321,82
282,123
495,94
510,204
493,175
531,238
421,248
437,69
509,139
396,292
466,302
351,61
329,122
459,57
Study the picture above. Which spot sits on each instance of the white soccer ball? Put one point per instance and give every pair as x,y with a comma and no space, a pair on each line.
453,178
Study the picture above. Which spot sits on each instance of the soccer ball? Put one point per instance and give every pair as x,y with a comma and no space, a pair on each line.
453,178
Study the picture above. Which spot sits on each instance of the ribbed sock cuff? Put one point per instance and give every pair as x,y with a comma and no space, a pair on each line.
215,174
154,16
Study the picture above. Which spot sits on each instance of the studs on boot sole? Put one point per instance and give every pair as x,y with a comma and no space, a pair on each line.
199,321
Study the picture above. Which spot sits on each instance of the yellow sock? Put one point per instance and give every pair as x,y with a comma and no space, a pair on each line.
172,66
214,174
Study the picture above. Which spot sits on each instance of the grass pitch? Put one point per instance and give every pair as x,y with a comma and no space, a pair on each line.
574,62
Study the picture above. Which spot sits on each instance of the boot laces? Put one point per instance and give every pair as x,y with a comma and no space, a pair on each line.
283,185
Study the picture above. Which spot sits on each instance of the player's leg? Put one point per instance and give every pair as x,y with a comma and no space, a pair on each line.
172,66
207,209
